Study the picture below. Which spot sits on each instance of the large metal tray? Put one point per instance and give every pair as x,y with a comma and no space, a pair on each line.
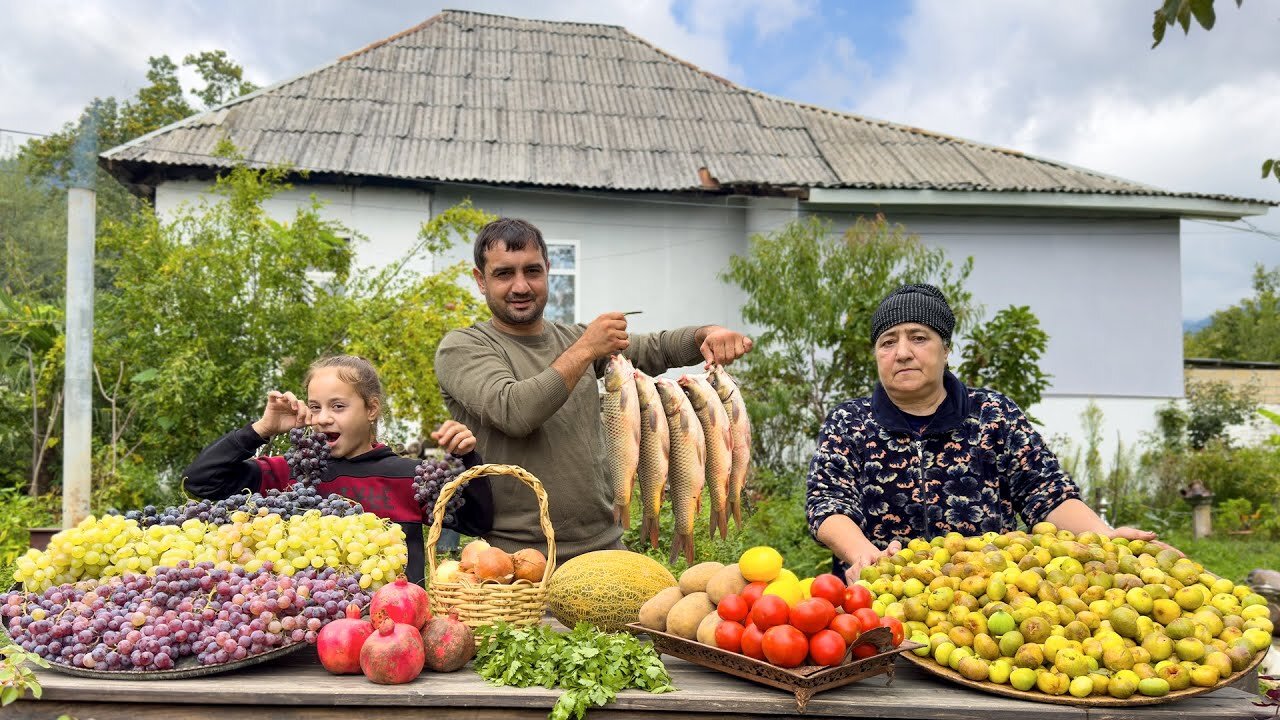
187,667
931,666
803,681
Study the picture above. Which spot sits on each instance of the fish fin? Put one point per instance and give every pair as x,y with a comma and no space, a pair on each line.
677,542
723,521
622,515
688,550
736,506
651,531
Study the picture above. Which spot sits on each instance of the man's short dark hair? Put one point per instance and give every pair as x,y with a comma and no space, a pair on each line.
514,233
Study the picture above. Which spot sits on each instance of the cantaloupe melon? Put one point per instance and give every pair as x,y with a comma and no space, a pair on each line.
605,588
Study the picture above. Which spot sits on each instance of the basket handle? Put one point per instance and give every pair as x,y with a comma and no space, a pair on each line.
515,471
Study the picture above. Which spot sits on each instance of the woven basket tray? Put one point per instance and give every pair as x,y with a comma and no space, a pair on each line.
520,603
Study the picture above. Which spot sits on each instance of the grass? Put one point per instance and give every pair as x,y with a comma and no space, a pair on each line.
1229,556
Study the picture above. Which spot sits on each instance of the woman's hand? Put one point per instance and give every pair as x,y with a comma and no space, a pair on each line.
1131,533
454,438
865,556
283,412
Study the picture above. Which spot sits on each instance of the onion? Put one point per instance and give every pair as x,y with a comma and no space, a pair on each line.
466,578
493,564
470,551
529,565
447,571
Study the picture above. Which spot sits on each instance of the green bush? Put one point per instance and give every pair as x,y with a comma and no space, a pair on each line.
1252,473
21,511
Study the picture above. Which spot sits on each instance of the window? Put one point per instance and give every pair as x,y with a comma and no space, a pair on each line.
562,282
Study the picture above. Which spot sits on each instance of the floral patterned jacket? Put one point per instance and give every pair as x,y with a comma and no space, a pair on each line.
977,463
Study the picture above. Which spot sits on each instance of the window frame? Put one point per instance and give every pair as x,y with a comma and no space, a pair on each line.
576,272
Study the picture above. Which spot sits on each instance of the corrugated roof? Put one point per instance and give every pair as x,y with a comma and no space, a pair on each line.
470,97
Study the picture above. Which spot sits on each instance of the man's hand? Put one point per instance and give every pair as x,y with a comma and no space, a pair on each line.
867,555
283,412
605,336
721,346
454,438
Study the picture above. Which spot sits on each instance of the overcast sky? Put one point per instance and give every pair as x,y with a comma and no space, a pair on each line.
1070,81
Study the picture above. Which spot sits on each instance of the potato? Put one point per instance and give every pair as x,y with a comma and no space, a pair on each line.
687,614
727,581
707,629
653,614
695,579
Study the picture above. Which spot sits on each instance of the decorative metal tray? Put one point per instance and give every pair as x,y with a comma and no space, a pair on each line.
803,681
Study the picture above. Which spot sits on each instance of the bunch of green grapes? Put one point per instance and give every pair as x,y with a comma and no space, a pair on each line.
364,545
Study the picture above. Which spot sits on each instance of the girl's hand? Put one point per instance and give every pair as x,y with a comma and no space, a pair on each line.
1131,533
866,556
282,413
454,438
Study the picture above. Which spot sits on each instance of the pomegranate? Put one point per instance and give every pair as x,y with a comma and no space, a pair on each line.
392,655
402,601
448,642
339,642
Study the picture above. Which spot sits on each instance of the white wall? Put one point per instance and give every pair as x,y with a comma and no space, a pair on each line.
1106,291
634,254
388,217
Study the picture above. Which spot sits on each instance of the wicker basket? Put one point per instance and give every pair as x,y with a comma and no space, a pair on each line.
520,603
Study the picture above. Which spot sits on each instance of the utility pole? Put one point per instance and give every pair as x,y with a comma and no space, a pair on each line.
77,417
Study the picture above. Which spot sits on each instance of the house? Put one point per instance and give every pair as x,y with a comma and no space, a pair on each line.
647,173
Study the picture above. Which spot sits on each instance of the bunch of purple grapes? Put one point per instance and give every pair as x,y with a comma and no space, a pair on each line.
307,456
429,478
285,503
141,622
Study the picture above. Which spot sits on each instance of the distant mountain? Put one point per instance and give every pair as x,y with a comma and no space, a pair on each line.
1194,325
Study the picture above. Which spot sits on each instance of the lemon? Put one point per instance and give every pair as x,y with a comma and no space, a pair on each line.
785,589
785,574
760,564
805,586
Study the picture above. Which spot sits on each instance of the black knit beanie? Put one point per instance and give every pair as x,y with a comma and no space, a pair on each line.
924,304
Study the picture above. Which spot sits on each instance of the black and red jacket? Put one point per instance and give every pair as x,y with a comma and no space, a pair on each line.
380,480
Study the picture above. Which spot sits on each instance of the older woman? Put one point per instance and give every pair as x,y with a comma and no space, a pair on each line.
925,455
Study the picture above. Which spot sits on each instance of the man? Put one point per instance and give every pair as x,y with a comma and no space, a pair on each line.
527,389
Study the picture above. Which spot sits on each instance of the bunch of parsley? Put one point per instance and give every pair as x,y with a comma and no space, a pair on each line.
591,666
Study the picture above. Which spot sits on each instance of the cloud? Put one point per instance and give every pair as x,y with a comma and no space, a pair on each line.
56,56
1079,83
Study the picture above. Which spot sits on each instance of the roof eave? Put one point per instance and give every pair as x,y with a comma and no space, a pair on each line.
1163,205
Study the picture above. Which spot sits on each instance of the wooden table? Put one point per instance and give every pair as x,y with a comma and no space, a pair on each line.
297,687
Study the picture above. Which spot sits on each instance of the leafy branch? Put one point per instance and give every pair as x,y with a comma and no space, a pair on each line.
16,679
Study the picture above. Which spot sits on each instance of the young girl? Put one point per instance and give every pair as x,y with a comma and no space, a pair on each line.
344,399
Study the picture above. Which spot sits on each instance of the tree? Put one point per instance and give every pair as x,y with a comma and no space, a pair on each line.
31,364
221,303
1249,330
401,317
812,296
1004,355
45,166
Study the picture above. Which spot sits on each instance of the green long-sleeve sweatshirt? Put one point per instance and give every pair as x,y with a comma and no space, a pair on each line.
504,389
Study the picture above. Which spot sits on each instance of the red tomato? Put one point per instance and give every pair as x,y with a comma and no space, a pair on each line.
729,636
848,627
895,627
867,618
826,647
733,607
752,592
785,646
829,587
865,650
810,616
768,611
752,638
856,597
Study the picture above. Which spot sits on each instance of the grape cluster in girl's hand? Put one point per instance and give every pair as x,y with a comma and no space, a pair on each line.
428,478
308,456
